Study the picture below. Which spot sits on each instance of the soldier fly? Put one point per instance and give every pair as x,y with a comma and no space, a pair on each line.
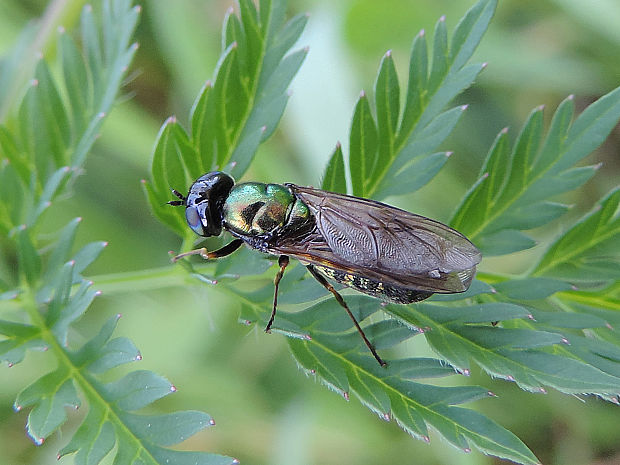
372,247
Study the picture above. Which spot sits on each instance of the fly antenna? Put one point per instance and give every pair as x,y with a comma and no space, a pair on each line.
177,203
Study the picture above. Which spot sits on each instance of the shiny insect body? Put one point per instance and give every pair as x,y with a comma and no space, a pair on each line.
366,245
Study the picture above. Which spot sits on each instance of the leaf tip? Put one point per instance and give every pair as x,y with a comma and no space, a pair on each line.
442,19
235,461
422,33
88,8
540,107
510,378
363,94
173,388
565,341
16,406
61,29
467,450
491,394
101,115
571,97
388,54
34,82
426,439
542,390
484,65
345,394
211,422
449,154
137,9
504,131
608,326
464,107
598,166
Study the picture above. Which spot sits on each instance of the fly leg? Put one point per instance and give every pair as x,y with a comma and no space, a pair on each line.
226,250
344,305
283,263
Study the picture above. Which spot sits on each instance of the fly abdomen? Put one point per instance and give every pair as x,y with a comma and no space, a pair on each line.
372,287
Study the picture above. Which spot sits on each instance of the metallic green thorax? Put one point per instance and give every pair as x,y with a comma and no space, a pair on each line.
255,208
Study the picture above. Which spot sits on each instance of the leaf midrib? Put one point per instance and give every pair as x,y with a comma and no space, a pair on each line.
386,386
83,380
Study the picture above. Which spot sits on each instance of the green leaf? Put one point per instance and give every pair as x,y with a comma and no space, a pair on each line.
386,391
513,196
531,288
169,429
334,177
27,257
78,82
49,395
589,250
439,66
504,242
387,101
168,172
248,95
422,126
363,146
202,117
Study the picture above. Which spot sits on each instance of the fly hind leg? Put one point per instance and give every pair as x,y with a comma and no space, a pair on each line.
344,305
283,263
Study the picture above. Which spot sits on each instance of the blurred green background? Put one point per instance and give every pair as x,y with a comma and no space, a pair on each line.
267,412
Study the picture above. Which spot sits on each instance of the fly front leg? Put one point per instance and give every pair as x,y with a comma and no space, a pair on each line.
321,279
283,263
226,250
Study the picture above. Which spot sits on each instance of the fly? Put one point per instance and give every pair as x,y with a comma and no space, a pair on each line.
366,245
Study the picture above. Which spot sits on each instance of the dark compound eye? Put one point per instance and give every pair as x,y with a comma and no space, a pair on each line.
193,220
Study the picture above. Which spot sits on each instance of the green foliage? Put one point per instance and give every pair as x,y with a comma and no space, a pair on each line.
549,327
235,112
515,185
42,150
394,150
397,153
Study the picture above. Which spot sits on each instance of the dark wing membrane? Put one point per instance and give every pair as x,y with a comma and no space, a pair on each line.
383,242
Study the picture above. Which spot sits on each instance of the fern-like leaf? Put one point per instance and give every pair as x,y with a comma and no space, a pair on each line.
590,250
515,185
397,153
56,124
236,111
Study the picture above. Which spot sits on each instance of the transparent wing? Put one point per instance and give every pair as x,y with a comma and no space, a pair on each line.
383,242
